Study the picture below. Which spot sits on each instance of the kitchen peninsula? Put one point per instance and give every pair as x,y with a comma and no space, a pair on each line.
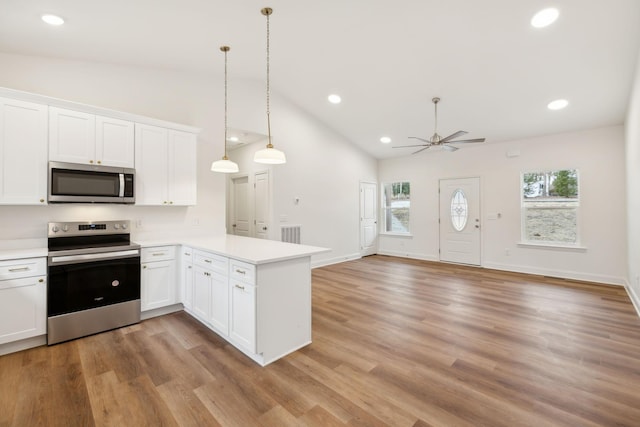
255,293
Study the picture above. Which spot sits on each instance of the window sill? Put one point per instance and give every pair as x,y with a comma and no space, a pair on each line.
386,233
553,246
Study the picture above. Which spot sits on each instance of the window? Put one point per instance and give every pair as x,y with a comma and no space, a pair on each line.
396,203
550,205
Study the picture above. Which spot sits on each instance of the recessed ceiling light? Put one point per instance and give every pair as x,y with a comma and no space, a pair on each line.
334,99
385,140
545,17
233,139
558,104
53,20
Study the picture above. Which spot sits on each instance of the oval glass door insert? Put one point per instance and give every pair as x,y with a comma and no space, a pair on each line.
459,210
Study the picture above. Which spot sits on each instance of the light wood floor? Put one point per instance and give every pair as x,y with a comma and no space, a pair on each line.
395,342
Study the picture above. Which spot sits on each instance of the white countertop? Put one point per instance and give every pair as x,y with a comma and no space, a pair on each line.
23,253
248,249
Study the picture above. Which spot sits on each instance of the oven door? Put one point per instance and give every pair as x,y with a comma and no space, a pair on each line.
84,282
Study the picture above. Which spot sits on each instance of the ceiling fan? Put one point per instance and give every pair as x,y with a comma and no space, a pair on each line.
437,140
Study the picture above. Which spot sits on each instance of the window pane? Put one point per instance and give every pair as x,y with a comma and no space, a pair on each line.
396,202
550,203
546,224
459,210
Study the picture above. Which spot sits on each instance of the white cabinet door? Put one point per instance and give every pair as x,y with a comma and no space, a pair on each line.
186,277
201,293
182,168
220,303
72,136
158,284
151,161
23,308
114,142
243,315
23,153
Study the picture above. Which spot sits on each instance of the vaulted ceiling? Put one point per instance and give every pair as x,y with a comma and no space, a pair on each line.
494,72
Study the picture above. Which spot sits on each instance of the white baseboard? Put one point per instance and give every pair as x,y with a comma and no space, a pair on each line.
422,257
336,260
635,299
15,346
161,311
563,274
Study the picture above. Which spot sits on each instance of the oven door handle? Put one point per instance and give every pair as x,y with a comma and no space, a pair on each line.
104,256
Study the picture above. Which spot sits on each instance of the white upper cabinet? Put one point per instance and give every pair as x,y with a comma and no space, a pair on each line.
165,166
114,142
84,138
182,168
23,153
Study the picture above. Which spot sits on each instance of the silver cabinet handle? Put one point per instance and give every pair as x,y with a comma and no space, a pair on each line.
240,287
208,261
207,274
187,254
240,271
157,254
13,270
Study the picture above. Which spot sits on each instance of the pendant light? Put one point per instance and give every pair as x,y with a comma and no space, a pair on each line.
225,165
269,155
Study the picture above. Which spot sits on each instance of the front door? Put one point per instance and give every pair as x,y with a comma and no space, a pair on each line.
460,220
368,218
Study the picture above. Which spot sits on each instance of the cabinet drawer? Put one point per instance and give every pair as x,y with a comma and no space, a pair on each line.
242,271
158,253
17,268
210,261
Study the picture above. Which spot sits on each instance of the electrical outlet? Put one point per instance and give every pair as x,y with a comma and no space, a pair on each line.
138,223
196,222
506,251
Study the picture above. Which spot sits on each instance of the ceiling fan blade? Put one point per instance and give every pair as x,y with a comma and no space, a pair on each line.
453,136
407,146
421,139
465,141
449,148
422,149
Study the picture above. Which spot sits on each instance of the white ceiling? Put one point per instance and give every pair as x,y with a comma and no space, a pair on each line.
387,59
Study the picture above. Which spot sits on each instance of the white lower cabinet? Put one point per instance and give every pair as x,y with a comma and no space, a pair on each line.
23,294
158,277
264,310
211,290
186,277
201,306
243,315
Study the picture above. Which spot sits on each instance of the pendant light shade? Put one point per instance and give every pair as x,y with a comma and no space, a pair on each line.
269,155
225,165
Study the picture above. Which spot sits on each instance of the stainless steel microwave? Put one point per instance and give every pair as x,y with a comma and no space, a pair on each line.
77,183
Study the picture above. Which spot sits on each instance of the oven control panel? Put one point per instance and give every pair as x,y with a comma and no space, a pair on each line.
86,228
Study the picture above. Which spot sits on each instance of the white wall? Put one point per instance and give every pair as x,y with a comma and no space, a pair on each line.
189,99
323,171
598,155
328,211
632,129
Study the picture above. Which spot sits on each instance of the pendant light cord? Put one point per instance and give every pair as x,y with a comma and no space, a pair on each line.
225,101
268,87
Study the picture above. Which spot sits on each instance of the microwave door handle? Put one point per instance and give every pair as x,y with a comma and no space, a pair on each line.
121,193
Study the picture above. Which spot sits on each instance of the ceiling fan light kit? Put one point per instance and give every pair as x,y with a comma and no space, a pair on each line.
438,141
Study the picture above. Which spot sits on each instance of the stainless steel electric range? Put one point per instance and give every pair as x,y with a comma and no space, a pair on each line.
93,279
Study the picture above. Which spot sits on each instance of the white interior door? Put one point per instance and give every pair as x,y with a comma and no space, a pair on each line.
368,218
241,216
460,220
261,198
